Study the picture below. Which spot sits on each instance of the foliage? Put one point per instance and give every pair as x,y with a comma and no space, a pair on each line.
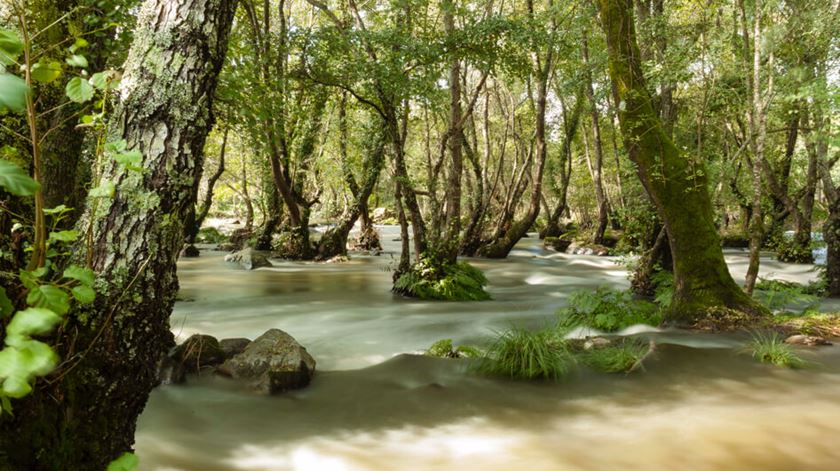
126,462
453,282
607,310
771,348
663,282
521,354
780,294
210,235
445,349
621,355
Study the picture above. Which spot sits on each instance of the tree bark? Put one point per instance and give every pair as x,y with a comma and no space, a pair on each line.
702,279
84,415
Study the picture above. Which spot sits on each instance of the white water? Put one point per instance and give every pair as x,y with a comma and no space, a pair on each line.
700,404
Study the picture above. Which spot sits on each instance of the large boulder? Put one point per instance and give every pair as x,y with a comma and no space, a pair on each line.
273,363
249,258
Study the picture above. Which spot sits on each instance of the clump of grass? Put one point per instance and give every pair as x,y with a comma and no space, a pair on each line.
771,348
521,354
445,349
621,356
607,310
453,282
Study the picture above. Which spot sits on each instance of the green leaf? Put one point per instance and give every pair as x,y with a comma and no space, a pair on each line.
49,297
28,279
6,306
13,92
60,209
104,80
10,46
79,90
37,358
33,321
126,462
84,294
14,180
46,71
16,387
116,146
77,60
64,236
84,276
104,190
80,43
5,404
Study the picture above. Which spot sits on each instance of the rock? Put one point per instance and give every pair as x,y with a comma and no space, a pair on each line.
596,342
338,259
239,238
556,243
587,249
196,353
189,251
226,247
250,259
232,347
273,363
809,340
381,214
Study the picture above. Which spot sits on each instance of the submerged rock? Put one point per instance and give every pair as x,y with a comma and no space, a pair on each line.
587,249
273,363
232,347
338,259
809,340
249,258
595,342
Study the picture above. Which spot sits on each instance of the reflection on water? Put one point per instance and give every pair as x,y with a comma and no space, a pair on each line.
699,404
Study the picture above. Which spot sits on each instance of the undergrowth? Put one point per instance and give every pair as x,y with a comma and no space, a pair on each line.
607,310
445,349
454,282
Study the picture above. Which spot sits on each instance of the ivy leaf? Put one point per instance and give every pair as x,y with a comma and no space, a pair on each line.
77,60
64,236
14,180
126,462
46,71
13,92
49,297
6,306
79,90
84,294
32,321
10,46
84,276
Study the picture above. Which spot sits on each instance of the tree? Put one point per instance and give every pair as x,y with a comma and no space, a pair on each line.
676,184
84,416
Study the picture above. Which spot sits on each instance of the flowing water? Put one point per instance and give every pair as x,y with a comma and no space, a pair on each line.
700,403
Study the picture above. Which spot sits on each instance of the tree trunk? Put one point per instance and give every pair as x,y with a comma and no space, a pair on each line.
702,279
596,166
85,415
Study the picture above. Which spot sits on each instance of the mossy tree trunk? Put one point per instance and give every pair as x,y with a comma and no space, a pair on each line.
84,415
676,185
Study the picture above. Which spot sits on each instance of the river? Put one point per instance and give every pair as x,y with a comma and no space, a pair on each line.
701,403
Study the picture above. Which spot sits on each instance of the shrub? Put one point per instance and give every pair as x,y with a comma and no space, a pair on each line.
663,282
456,282
771,348
607,310
623,355
521,354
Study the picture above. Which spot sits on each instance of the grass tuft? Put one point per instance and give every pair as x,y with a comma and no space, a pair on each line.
522,354
622,356
771,348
